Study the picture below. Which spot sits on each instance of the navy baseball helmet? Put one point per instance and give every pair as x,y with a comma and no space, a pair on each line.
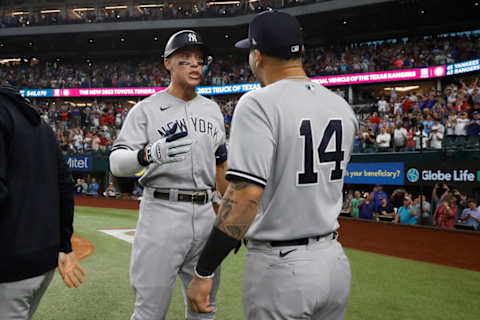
183,39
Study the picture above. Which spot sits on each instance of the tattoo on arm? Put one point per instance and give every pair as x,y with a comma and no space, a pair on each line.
237,211
226,208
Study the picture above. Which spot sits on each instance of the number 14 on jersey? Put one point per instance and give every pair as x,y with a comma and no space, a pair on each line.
309,174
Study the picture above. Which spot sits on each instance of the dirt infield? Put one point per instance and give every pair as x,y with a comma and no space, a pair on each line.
447,247
82,247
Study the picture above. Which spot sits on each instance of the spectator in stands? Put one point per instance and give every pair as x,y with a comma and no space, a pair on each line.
399,137
461,127
474,129
383,106
346,202
85,186
440,191
471,215
439,125
377,193
366,207
137,191
385,208
111,191
93,188
79,187
446,213
425,212
406,214
353,209
460,202
428,123
435,138
76,116
358,142
396,199
421,139
370,140
410,142
383,140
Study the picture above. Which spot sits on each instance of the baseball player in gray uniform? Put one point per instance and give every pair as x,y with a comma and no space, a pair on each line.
179,138
290,143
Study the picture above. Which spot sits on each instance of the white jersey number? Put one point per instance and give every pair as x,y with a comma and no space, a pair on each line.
309,175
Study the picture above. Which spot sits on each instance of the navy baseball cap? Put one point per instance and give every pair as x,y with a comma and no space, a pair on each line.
275,34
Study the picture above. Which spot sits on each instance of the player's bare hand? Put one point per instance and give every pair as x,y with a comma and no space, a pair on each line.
198,295
70,269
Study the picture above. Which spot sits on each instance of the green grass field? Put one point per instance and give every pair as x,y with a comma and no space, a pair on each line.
383,287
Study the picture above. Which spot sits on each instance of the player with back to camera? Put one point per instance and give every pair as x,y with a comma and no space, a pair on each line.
290,143
179,138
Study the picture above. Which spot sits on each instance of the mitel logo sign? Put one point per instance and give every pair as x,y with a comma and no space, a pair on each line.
80,163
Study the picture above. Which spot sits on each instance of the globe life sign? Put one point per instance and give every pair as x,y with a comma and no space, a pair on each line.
467,172
456,175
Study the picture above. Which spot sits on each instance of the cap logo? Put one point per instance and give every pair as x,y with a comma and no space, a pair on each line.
192,37
254,42
295,48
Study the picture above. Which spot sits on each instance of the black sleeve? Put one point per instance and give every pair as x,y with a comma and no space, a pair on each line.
66,188
5,128
221,154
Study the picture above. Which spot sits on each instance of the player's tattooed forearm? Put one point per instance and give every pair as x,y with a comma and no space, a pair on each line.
226,208
237,231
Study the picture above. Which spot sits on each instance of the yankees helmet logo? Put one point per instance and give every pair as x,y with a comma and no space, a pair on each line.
192,37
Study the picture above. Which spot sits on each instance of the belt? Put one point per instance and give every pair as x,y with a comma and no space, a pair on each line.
302,241
197,197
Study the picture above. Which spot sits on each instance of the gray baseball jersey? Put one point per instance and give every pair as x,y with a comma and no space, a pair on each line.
295,139
151,118
170,234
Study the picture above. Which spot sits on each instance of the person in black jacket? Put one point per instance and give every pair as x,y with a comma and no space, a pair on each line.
36,209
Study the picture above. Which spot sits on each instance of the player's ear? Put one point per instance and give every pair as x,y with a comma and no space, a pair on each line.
303,50
258,58
168,64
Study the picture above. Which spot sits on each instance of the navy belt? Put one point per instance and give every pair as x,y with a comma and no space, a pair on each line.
200,197
302,241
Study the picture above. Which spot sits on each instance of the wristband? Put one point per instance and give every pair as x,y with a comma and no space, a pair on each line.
218,246
141,158
202,277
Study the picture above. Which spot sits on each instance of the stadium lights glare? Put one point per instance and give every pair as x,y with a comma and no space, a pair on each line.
4,61
115,7
402,89
223,3
150,6
19,13
50,11
83,9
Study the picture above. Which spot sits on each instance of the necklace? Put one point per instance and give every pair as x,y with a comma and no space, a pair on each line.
298,77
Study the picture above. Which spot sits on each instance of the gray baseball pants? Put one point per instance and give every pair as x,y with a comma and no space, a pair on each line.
296,282
20,299
168,241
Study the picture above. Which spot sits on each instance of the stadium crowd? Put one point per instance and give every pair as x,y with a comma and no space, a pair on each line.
423,120
447,208
149,72
415,121
91,128
167,10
